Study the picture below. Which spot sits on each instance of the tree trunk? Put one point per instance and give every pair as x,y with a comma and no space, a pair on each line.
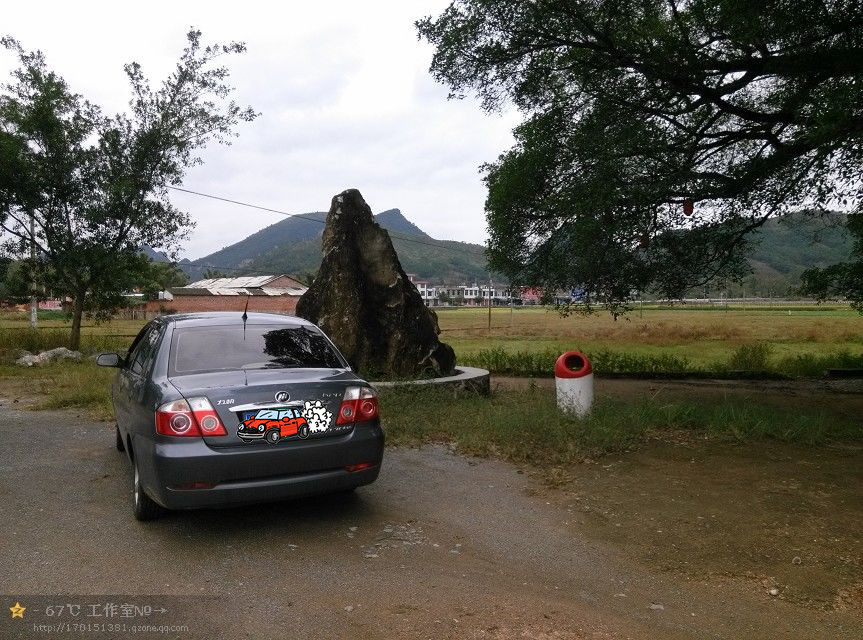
77,312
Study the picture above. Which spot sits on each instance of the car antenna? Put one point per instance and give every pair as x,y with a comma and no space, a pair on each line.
245,316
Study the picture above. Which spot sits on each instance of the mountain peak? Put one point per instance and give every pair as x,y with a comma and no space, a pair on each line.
394,221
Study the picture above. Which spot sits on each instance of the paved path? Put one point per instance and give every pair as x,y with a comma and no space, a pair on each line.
440,547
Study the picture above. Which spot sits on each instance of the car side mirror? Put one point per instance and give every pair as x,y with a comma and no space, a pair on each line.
109,360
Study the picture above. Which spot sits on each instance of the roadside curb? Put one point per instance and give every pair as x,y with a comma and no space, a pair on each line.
466,378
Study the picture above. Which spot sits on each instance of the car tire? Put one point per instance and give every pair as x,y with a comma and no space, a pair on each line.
143,506
273,436
119,439
304,431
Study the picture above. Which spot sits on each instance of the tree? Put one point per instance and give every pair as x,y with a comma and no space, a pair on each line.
658,133
16,280
96,187
213,274
843,280
159,276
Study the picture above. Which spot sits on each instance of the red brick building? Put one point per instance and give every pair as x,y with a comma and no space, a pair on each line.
275,294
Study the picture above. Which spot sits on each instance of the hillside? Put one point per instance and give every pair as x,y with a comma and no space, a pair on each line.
785,247
779,252
293,246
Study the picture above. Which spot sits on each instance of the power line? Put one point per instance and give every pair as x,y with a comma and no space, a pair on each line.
305,217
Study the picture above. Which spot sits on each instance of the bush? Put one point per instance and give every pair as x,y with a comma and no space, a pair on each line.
751,357
540,364
809,366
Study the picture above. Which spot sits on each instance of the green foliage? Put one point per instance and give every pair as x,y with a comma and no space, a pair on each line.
844,279
751,357
97,186
748,360
159,276
541,363
815,366
212,274
633,110
23,278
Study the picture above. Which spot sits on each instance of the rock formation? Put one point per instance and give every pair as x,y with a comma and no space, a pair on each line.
365,302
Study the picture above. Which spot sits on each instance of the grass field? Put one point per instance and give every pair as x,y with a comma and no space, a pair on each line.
782,341
775,341
526,425
526,342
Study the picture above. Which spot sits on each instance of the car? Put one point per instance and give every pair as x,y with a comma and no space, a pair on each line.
219,409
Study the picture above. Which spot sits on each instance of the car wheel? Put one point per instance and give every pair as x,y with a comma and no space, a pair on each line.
144,507
304,431
273,435
119,439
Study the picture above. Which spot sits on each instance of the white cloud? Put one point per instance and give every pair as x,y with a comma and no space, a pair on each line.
345,98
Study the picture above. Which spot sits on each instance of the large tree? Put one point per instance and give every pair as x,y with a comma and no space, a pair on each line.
658,133
94,188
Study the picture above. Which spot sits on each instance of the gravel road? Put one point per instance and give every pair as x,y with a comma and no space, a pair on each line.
442,546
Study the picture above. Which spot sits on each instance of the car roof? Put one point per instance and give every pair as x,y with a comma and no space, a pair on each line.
222,318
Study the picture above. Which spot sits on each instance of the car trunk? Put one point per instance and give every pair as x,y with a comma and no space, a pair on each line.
251,389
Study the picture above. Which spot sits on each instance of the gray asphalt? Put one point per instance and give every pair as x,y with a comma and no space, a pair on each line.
441,546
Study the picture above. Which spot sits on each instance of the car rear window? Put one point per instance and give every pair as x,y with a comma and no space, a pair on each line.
224,348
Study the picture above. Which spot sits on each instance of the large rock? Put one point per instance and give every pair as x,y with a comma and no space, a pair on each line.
365,302
60,353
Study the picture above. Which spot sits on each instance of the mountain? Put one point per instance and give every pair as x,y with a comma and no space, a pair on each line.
784,247
779,252
293,246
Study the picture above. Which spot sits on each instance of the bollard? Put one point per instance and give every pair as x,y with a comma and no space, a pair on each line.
573,377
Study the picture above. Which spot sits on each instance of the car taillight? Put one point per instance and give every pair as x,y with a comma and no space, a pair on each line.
206,417
360,404
194,417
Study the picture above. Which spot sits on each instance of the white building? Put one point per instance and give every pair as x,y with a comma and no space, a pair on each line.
427,291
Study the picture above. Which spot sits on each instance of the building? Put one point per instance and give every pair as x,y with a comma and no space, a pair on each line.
276,294
427,291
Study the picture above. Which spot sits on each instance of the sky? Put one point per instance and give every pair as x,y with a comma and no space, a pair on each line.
344,94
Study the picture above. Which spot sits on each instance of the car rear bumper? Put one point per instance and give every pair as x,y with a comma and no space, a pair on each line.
240,475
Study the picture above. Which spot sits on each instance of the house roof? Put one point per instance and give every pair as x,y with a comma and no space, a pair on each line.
232,283
234,291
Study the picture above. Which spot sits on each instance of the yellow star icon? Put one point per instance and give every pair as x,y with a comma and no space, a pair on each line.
17,610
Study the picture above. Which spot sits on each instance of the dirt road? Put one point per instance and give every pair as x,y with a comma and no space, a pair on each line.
440,547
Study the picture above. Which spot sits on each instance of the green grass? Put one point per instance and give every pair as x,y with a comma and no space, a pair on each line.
521,426
746,361
526,426
540,364
63,385
15,340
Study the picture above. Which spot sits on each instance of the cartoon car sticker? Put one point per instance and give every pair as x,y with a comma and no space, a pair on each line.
273,425
317,416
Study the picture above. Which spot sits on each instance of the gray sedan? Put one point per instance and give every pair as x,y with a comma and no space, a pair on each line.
218,409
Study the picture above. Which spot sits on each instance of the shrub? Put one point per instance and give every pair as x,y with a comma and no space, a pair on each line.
751,357
540,364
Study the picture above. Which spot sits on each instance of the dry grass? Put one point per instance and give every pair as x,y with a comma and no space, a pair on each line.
703,337
700,337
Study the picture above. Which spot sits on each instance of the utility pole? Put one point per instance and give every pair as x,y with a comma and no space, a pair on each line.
34,319
489,303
